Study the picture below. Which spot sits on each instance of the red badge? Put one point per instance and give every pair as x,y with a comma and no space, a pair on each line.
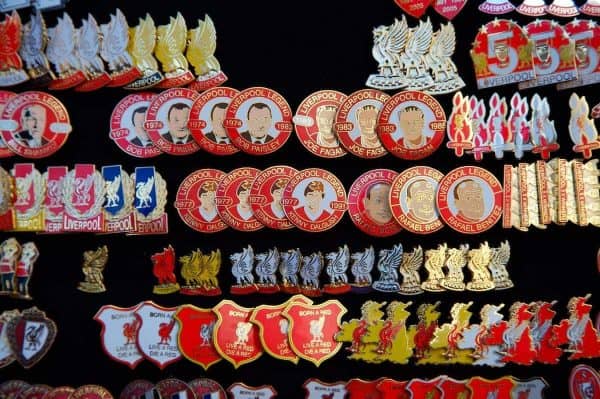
157,334
127,126
502,54
453,389
61,393
392,389
591,8
368,203
206,120
314,120
356,120
314,200
412,199
584,382
586,34
496,7
422,389
460,124
172,388
35,124
235,338
313,328
266,194
54,205
5,152
358,389
167,121
411,125
485,389
195,337
232,199
316,389
12,388
196,201
469,199
119,334
449,8
37,391
243,391
30,197
205,388
136,389
414,8
83,196
258,121
30,336
11,65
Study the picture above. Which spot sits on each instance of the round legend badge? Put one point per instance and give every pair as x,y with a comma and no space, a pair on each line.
195,201
314,200
59,393
356,120
314,120
37,391
206,120
127,126
35,124
207,388
91,392
136,389
258,121
368,203
469,199
266,193
5,152
412,199
411,125
171,386
167,121
232,199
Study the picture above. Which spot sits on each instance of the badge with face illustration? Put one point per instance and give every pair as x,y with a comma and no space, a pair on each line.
127,126
167,121
205,388
314,120
119,334
258,121
584,382
195,338
356,120
232,198
35,124
469,199
586,34
206,120
314,200
411,125
5,151
266,194
412,199
136,389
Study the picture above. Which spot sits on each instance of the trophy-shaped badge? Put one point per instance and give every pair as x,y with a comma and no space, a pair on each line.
289,268
202,43
11,66
409,269
113,50
389,43
171,41
337,265
200,273
163,266
389,260
242,264
266,267
142,40
62,53
361,268
32,51
93,266
310,272
88,45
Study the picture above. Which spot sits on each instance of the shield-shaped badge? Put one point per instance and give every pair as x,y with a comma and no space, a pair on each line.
150,201
243,391
392,389
83,196
54,205
453,389
30,336
118,208
449,8
358,389
6,353
195,337
30,194
425,389
499,389
316,389
531,388
157,334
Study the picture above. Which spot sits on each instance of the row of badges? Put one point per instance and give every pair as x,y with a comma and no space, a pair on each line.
83,200
44,5
18,389
294,330
111,54
540,53
527,337
537,8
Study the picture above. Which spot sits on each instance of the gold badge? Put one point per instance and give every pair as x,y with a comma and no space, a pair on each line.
171,41
92,267
142,40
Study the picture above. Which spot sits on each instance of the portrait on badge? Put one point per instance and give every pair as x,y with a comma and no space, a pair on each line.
33,126
276,190
314,199
206,195
418,200
376,204
217,133
259,122
366,120
412,132
325,116
137,134
470,200
242,210
177,123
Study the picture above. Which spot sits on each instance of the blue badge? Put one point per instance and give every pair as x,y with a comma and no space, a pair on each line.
115,198
145,190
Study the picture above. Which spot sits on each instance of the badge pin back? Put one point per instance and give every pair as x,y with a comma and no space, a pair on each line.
118,337
142,39
115,51
63,53
206,283
11,72
208,70
243,391
163,267
582,129
44,329
62,392
171,41
197,347
337,268
207,388
232,199
584,381
174,388
449,9
136,389
150,201
316,389
266,194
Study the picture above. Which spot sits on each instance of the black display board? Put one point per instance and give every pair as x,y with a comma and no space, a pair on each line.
294,48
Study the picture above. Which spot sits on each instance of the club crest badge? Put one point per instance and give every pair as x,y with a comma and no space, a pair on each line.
167,121
6,354
163,267
150,201
206,120
136,389
449,8
242,264
582,129
235,338
243,391
289,266
563,8
316,389
195,337
356,120
88,45
266,196
483,389
258,121
337,267
314,200
119,334
202,43
11,65
171,41
200,273
30,195
91,392
7,198
362,265
92,267
496,7
83,196
35,124
127,126
502,54
142,41
533,388
313,328
358,388
30,335
54,205
453,389
59,393
62,52
390,389
157,334
266,268
5,151
532,8
584,382
314,120
12,388
118,208
586,34
32,51
591,8
232,199
205,388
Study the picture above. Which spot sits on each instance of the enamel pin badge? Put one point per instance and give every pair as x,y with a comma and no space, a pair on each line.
88,44
266,268
30,335
157,333
202,43
11,70
150,201
7,198
242,264
449,8
135,389
54,206
243,391
205,388
174,388
532,8
337,267
171,41
62,52
316,389
232,199
586,34
496,7
5,151
582,129
142,41
59,393
195,338
6,354
200,273
92,268
24,269
584,382
30,195
119,334
32,51
118,208
266,196
83,196
163,267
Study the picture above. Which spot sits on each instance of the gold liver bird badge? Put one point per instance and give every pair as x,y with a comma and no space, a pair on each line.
142,40
202,43
171,40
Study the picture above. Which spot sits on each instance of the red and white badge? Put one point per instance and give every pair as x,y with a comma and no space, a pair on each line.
412,199
591,8
91,392
34,124
205,388
258,121
28,205
119,334
266,194
60,393
37,391
502,54
235,338
584,382
196,201
20,330
496,7
206,120
83,197
414,8
157,334
368,204
172,388
167,121
317,389
195,337
313,328
358,388
6,354
314,200
453,389
54,205
356,120
392,389
586,34
127,126
411,125
136,389
449,8
314,120
482,388
12,388
243,391
5,152
425,389
469,199
233,205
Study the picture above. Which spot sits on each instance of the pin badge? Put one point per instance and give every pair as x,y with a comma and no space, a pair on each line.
83,196
544,334
232,199
88,44
460,125
390,389
24,269
92,267
207,388
482,388
445,343
118,208
142,41
543,133
421,389
242,264
91,392
150,201
12,388
119,337
63,54
202,43
583,341
337,266
584,382
32,51
174,388
54,205
206,120
591,8
358,388
388,264
200,273
30,335
171,41
532,8
412,8
586,34
394,344
316,389
5,151
453,389
438,60
582,129
311,268
266,268
266,194
362,265
360,332
11,72
243,391
422,332
127,126
435,260
258,121
314,120
196,201
389,44
37,391
496,7
517,342
409,269
563,8
6,354
449,8
31,192
479,259
195,338
289,266
135,389
157,334
163,266
454,280
59,393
